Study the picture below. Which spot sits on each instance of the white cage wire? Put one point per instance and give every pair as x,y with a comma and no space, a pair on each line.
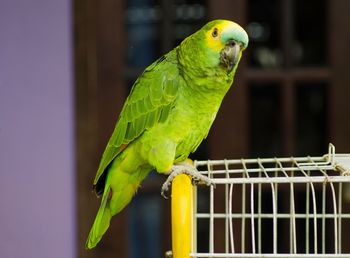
273,207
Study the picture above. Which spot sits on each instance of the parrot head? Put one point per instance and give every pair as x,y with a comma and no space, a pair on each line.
227,39
218,43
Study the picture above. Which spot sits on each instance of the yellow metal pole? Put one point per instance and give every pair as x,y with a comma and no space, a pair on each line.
181,213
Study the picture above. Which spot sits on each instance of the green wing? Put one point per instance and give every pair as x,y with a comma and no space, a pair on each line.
149,102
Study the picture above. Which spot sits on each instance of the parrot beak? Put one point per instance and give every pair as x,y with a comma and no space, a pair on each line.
230,54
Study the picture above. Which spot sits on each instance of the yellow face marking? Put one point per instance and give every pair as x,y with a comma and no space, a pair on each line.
215,43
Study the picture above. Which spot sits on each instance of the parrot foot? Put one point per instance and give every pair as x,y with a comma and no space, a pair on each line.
188,169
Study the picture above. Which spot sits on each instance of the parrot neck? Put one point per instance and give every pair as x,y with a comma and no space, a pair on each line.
201,68
205,81
202,77
203,89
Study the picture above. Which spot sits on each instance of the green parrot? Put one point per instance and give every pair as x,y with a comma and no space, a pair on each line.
168,113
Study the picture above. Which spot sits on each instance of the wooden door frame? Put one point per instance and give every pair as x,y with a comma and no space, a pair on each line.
98,54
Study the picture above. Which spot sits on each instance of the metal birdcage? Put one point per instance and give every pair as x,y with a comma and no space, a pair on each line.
265,207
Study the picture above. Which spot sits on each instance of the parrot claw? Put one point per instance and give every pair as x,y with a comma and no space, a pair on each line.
188,169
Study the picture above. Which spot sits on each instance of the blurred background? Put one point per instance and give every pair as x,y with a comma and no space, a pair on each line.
66,67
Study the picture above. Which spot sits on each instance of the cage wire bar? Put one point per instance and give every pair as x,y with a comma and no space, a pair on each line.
269,207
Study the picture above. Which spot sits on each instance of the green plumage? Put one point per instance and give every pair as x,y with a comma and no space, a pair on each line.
166,116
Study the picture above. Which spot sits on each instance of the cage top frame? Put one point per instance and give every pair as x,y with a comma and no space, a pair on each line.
244,171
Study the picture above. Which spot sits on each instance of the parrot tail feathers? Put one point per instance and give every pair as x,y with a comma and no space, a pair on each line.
101,222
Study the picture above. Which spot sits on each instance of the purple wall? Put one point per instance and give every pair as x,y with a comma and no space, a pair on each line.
37,203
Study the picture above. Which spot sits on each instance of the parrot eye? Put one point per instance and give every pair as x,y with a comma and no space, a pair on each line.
215,33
